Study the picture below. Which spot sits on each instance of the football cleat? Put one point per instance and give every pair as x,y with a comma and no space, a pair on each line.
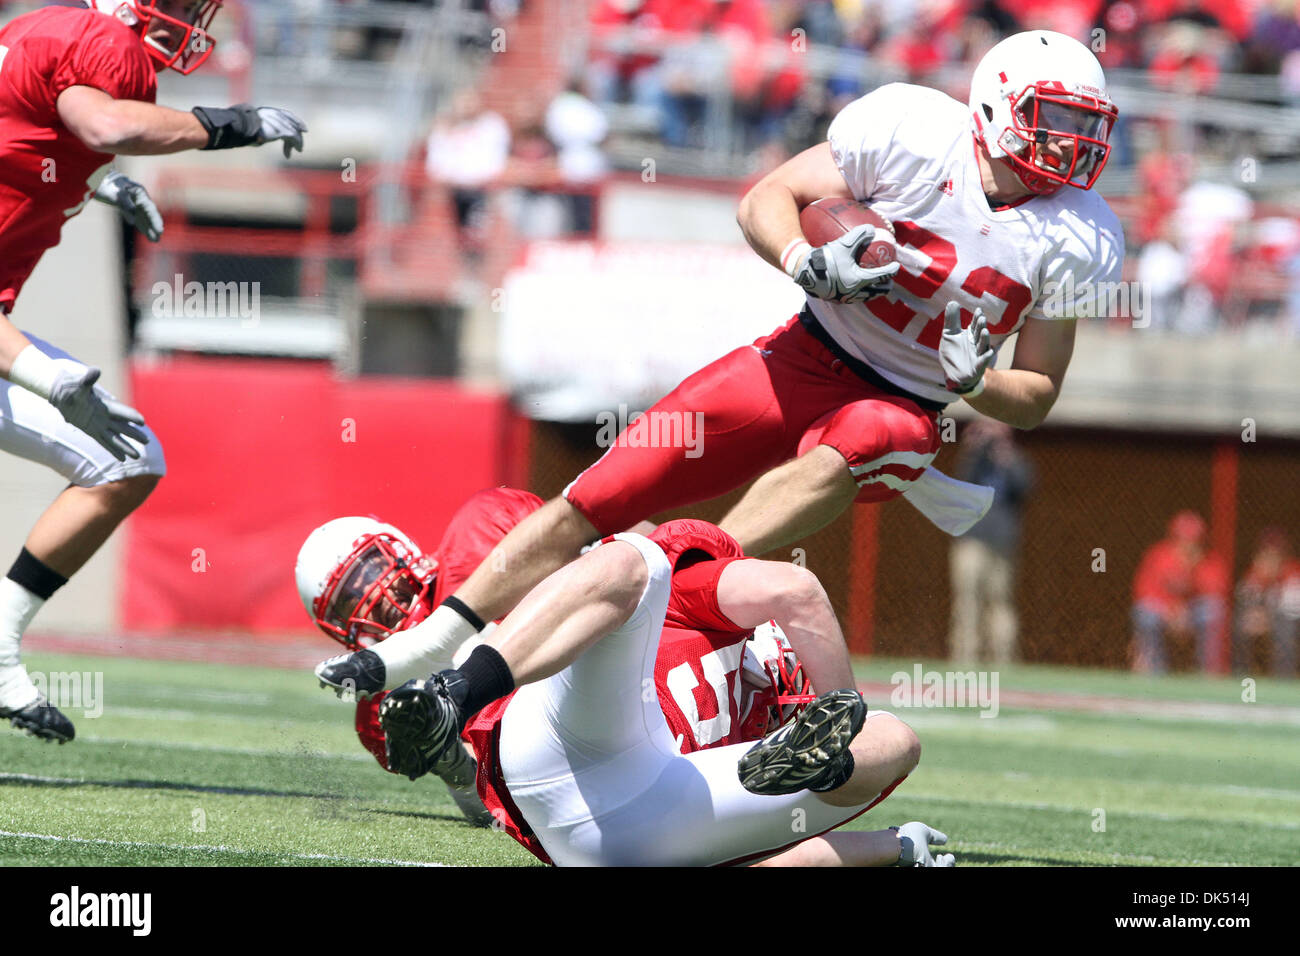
357,675
41,719
811,752
421,722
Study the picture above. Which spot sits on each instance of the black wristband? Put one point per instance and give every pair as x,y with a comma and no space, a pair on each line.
229,128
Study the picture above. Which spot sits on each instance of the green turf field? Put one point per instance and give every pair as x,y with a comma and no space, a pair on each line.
200,764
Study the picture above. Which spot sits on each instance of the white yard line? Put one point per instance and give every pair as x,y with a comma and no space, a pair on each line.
1118,857
96,841
1065,808
222,749
1157,709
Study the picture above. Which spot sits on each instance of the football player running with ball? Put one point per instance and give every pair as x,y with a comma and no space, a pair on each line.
994,215
77,86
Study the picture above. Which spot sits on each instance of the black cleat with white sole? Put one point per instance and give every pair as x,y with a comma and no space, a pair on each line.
361,674
421,720
41,719
811,752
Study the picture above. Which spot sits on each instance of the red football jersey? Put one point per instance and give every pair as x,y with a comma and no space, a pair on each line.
46,174
474,530
697,667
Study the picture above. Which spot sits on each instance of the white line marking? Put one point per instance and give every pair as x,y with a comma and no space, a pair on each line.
95,841
1064,808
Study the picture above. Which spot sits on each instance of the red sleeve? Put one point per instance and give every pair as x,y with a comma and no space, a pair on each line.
475,529
369,731
693,601
107,56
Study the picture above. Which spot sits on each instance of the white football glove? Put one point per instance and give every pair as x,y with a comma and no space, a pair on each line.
133,201
280,124
965,354
70,387
245,125
915,839
832,271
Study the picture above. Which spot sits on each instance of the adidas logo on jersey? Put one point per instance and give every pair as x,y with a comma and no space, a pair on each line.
945,187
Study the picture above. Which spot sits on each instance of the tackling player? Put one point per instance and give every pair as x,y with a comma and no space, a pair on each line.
77,86
996,220
717,685
624,742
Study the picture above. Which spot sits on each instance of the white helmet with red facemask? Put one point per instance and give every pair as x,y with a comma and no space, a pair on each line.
361,579
174,32
776,687
1038,103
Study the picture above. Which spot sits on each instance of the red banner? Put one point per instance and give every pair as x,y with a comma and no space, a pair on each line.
261,452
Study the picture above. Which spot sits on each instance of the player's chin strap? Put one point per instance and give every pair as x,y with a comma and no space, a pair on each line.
952,506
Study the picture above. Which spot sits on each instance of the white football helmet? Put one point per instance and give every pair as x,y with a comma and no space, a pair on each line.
1038,102
361,579
175,33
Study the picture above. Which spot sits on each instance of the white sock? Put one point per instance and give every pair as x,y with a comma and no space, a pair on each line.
424,649
17,608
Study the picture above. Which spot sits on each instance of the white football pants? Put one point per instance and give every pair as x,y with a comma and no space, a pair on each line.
590,763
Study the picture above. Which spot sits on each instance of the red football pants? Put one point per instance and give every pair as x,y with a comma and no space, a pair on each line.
752,409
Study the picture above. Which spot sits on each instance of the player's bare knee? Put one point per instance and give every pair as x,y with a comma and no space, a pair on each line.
902,744
623,572
828,472
125,495
796,587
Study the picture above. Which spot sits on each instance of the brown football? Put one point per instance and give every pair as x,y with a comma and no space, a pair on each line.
828,219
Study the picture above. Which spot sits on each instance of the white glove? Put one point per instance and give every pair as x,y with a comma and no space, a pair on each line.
965,353
915,839
246,125
832,271
133,201
276,124
69,387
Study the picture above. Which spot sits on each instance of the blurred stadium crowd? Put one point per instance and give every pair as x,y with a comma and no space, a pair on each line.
1205,153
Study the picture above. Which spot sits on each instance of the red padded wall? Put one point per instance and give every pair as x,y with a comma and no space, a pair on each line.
259,453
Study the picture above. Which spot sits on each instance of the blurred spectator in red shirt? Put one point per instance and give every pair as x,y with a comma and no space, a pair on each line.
1179,592
1268,605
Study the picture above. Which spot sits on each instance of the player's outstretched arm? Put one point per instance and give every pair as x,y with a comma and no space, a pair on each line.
134,128
1022,395
752,592
897,846
128,127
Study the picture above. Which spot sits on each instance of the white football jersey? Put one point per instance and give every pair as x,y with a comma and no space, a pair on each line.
909,152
